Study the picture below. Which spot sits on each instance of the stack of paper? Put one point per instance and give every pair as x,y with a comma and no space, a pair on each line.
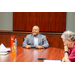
52,61
3,49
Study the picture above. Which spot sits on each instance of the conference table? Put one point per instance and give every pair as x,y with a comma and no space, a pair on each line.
32,55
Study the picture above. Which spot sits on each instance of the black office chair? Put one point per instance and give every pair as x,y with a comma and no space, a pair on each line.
24,38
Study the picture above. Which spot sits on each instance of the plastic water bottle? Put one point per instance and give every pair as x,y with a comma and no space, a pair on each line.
15,44
14,48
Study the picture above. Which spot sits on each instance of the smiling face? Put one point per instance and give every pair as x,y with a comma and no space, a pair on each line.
35,30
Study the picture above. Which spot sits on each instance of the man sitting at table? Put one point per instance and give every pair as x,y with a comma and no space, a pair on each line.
68,38
35,40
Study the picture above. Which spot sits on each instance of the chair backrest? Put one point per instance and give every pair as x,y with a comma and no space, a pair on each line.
24,38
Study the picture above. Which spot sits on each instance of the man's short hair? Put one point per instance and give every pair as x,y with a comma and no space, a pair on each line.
36,26
68,35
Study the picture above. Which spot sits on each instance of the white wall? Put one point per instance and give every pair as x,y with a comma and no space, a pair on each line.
6,21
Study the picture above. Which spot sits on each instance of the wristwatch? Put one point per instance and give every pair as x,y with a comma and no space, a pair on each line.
65,52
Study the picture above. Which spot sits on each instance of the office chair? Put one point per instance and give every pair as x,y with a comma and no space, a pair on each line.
24,38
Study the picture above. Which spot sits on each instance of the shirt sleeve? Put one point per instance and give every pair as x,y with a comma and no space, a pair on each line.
72,56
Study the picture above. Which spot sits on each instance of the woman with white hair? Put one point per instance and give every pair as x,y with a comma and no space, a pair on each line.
68,38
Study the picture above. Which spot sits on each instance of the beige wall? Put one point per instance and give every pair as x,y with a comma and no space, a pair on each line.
6,21
70,21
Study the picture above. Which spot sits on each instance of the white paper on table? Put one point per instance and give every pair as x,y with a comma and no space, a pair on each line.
52,60
3,49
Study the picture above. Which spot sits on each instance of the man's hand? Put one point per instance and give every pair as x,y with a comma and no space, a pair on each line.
65,48
28,46
38,46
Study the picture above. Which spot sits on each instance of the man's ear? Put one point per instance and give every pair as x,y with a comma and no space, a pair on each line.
70,41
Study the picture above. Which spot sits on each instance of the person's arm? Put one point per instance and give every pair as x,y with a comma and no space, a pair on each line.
63,59
66,57
66,54
25,42
45,43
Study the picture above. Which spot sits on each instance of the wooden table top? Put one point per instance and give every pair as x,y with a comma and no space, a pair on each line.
32,55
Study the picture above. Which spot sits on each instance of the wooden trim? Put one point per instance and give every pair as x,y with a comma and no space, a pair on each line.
23,33
54,39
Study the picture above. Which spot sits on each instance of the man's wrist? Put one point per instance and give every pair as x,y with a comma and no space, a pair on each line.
65,52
